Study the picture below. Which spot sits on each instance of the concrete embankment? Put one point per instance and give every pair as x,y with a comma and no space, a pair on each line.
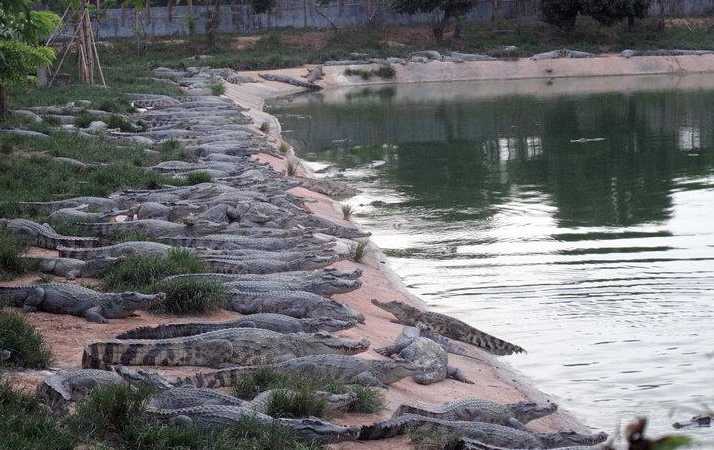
494,379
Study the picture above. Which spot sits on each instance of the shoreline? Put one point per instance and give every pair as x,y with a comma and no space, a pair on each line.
495,380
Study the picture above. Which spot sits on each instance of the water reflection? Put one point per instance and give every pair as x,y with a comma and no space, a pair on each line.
576,225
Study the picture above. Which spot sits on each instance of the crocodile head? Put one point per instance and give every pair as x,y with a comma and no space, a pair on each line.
127,302
352,275
325,343
389,372
527,411
399,310
313,429
326,324
329,285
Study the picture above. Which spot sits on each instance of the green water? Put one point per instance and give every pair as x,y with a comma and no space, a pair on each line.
579,226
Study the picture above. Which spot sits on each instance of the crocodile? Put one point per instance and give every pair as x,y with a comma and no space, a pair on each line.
80,214
447,344
152,228
230,242
61,298
487,433
514,415
266,266
72,385
221,416
473,444
43,235
447,326
242,346
275,322
298,304
93,203
129,248
427,354
189,397
342,368
321,282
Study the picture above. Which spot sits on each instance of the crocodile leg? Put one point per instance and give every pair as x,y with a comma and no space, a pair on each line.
95,315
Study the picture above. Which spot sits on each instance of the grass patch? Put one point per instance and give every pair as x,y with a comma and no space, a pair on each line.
171,150
360,251
369,399
430,438
28,348
11,264
291,167
197,178
384,72
122,123
264,127
141,273
27,425
346,211
218,88
185,296
83,120
284,147
296,404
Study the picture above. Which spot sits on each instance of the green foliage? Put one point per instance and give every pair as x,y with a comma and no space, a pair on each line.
262,6
346,211
117,121
197,177
185,296
141,273
218,88
360,251
430,438
295,404
11,264
19,60
83,120
608,12
264,127
385,72
171,150
369,400
560,13
27,425
27,347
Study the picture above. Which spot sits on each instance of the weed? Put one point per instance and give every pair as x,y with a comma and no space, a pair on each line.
369,400
11,262
197,178
264,127
140,273
293,404
26,345
171,150
186,296
27,425
110,410
83,120
291,167
430,438
284,147
360,250
386,72
122,123
52,121
346,211
218,88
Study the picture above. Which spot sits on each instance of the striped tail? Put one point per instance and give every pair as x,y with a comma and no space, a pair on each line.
220,378
102,355
491,344
83,254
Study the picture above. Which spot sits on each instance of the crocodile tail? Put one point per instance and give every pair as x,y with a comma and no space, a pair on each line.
77,253
76,241
494,345
97,229
101,355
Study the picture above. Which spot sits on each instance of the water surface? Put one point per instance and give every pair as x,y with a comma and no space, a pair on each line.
574,218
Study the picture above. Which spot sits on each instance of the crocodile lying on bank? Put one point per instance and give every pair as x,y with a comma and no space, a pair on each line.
342,368
473,444
487,433
218,416
242,346
59,298
428,355
300,305
514,415
447,326
275,322
334,403
150,227
322,282
230,242
101,204
43,235
266,266
122,249
72,385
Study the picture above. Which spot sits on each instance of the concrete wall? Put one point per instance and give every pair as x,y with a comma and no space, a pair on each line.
239,18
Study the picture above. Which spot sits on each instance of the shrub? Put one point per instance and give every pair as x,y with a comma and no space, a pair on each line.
26,424
218,88
27,347
369,400
83,120
294,404
346,211
186,296
386,72
264,127
360,250
560,13
11,262
110,410
284,147
291,167
116,121
171,150
140,273
197,178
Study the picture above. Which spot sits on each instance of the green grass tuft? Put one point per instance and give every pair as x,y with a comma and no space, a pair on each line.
185,296
360,251
218,88
295,404
28,348
264,127
27,425
197,178
369,400
83,120
141,273
11,262
346,211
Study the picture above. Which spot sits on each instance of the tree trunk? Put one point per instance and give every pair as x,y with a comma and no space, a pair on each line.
459,27
4,103
441,26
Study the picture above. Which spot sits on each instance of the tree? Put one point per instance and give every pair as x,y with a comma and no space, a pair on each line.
609,12
21,52
453,9
560,13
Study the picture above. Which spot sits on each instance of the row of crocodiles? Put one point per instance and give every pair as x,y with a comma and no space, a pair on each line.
272,254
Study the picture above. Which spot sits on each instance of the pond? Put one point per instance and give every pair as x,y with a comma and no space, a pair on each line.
572,217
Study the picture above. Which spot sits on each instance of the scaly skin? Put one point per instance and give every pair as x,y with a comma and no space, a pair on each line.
343,368
473,444
228,242
241,346
334,403
72,385
58,298
150,227
131,248
487,433
447,326
296,304
275,322
42,235
513,415
267,266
